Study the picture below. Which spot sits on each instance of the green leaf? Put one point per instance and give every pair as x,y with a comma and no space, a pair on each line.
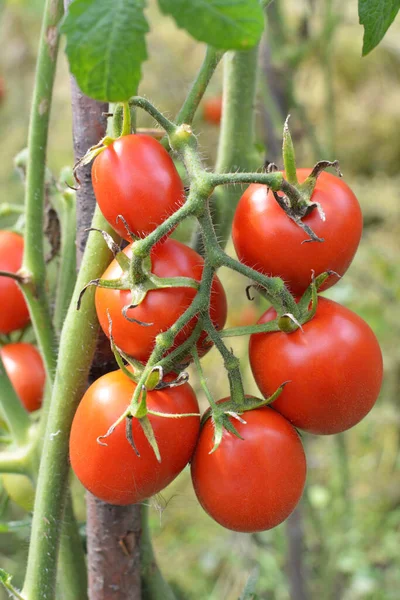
376,16
225,24
106,46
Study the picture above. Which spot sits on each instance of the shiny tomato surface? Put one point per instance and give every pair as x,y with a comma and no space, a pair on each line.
135,177
25,368
251,484
113,472
334,368
266,239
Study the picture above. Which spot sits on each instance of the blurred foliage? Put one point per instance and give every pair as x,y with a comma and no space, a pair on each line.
351,507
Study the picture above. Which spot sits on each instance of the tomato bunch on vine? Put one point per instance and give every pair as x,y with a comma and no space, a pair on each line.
317,365
160,302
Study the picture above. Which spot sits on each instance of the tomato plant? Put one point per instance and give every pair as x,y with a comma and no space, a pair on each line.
212,109
254,483
266,239
14,313
111,469
334,367
161,307
128,439
25,369
136,177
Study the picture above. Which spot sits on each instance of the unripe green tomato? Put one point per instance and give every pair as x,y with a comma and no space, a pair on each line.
20,489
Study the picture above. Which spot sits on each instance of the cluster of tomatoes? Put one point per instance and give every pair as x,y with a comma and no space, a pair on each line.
333,362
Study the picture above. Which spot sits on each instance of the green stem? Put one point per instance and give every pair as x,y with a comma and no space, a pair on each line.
68,388
72,569
34,259
203,381
196,93
12,409
236,144
154,586
6,209
14,461
143,103
275,289
67,266
126,122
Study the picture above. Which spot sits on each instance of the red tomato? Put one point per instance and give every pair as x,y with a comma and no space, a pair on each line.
135,177
334,368
162,307
14,312
266,239
25,369
212,110
114,473
251,484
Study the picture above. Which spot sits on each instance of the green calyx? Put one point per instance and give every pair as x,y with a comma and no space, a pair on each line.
137,277
297,202
223,413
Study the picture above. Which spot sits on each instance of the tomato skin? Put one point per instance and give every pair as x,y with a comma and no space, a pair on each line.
266,239
161,307
335,369
135,177
20,489
14,312
212,110
25,368
252,484
114,473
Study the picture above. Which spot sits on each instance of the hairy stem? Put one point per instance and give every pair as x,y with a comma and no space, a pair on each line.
34,259
236,144
196,93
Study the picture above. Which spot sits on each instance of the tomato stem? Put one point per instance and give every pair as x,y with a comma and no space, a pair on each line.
196,93
126,123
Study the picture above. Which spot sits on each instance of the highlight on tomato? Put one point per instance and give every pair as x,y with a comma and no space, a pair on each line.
161,307
14,312
250,484
24,367
111,470
334,368
266,239
135,177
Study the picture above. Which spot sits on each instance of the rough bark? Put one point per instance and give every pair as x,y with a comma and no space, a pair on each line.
114,534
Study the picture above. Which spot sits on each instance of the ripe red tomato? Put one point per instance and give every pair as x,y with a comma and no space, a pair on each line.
135,177
114,473
212,110
25,369
14,312
251,484
162,307
266,239
334,368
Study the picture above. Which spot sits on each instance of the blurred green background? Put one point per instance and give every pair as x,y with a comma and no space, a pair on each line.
344,538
